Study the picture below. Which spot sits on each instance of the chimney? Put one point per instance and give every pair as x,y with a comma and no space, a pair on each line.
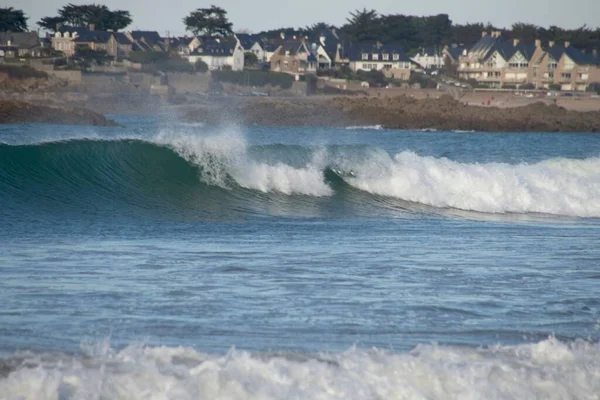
92,27
538,43
9,42
567,44
550,44
515,42
483,34
282,35
58,26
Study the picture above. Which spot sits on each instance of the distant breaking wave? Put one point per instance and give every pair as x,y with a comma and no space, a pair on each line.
214,173
546,370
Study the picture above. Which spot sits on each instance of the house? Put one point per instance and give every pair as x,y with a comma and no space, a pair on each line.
500,62
329,42
98,41
147,41
497,61
124,45
293,57
429,58
184,46
452,53
567,67
13,44
252,44
389,59
219,53
62,40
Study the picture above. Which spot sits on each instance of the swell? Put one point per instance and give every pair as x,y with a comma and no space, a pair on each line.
223,175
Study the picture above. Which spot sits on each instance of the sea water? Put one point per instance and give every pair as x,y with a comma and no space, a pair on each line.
169,261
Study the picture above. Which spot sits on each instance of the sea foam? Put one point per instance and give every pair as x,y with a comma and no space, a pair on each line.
549,369
556,186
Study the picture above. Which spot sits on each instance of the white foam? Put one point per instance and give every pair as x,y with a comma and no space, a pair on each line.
225,155
547,370
366,127
556,186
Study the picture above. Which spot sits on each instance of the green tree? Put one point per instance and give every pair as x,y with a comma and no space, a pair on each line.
98,15
13,20
317,28
363,26
210,21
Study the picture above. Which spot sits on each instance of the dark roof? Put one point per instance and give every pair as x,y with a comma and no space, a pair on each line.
122,38
356,51
247,40
456,51
329,40
141,46
578,57
151,37
483,47
508,49
216,48
24,40
94,36
291,47
71,29
430,51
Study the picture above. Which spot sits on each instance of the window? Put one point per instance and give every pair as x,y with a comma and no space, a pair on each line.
385,56
552,65
365,56
565,76
375,56
396,57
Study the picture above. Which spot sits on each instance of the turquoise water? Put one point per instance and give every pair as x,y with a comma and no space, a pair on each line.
180,261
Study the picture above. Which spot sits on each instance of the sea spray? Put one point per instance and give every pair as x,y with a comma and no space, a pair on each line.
550,369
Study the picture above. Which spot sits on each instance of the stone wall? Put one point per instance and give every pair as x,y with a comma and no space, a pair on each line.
186,83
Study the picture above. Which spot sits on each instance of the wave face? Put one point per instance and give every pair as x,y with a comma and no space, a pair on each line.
546,370
178,172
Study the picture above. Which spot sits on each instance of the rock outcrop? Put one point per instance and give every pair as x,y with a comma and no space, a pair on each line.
18,112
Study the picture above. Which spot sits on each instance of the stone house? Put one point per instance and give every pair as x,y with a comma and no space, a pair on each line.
98,41
13,44
293,57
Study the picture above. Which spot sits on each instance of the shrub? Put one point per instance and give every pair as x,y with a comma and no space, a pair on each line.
527,86
254,78
22,72
373,77
147,57
555,86
593,87
200,66
250,59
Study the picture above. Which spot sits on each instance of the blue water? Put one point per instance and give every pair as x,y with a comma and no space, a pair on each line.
453,254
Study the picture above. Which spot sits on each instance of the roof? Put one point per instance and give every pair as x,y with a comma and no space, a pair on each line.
122,38
247,40
429,51
356,51
25,40
216,48
456,51
151,37
291,48
71,29
93,36
328,40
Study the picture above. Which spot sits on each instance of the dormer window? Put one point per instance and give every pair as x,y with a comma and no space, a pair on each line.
385,56
365,56
375,56
396,57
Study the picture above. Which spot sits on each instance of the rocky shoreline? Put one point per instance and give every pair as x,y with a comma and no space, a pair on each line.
19,112
401,112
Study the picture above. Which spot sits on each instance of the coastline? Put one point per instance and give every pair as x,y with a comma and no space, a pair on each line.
20,112
398,112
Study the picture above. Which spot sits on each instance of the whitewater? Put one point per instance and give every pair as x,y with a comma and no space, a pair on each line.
181,261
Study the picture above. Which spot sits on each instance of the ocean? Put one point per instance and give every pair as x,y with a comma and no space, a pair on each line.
161,260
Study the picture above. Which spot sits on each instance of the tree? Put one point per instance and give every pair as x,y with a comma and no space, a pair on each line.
209,22
363,26
318,28
100,16
13,20
250,59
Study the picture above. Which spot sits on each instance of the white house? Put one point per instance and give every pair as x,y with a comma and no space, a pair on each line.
218,53
429,58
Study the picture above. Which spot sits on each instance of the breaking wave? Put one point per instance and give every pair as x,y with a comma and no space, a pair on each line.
171,171
550,369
